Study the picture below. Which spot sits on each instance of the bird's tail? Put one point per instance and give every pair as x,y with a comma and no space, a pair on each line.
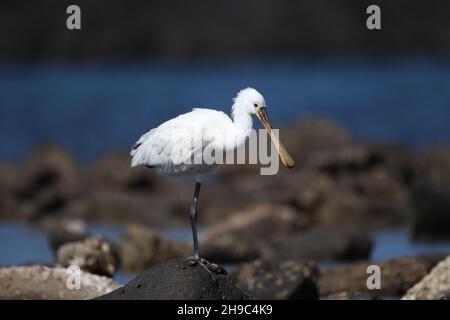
136,156
136,151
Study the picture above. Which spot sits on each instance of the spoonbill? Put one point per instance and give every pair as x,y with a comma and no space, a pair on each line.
161,147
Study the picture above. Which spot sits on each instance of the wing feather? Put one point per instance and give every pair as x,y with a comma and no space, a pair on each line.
178,140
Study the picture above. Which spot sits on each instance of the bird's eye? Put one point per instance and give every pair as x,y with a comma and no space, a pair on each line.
255,105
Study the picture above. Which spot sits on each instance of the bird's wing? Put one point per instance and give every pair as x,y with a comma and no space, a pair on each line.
178,140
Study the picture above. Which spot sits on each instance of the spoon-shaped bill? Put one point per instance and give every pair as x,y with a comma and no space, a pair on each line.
285,157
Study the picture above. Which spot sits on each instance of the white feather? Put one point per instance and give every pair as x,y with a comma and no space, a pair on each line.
171,147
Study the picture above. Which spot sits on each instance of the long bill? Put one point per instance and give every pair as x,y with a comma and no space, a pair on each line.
285,157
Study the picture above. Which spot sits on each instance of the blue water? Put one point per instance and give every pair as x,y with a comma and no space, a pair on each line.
21,245
92,108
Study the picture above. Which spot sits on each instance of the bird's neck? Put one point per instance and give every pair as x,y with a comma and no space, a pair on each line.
242,120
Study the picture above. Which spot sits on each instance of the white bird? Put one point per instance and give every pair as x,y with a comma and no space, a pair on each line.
170,148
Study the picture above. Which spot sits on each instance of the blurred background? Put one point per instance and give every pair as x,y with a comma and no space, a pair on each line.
365,113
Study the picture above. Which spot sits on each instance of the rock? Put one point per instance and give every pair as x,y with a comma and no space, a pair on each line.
400,160
324,244
434,286
430,197
342,206
143,247
292,280
94,255
114,171
48,165
231,195
231,241
228,249
8,181
61,231
163,206
308,137
351,158
397,276
178,280
40,282
49,180
355,183
312,191
352,296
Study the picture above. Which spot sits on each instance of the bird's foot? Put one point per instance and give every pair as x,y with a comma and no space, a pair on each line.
211,268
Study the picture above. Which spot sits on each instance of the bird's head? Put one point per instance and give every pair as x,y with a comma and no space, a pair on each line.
252,102
249,100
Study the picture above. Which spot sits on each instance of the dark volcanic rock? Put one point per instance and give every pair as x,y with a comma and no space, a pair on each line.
397,276
143,247
289,279
93,254
178,280
324,244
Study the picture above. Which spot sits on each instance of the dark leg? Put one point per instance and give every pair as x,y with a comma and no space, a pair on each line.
193,213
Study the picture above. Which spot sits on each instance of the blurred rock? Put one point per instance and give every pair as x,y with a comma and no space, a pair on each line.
324,244
397,276
231,194
312,190
178,280
94,255
398,159
291,280
8,202
337,182
263,219
49,179
114,170
143,247
232,241
44,283
63,230
48,166
351,296
434,286
229,249
164,205
342,206
351,158
431,197
305,138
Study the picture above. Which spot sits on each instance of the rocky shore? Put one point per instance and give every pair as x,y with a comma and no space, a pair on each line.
278,232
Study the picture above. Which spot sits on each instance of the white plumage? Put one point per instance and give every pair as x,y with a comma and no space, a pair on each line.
175,146
170,148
